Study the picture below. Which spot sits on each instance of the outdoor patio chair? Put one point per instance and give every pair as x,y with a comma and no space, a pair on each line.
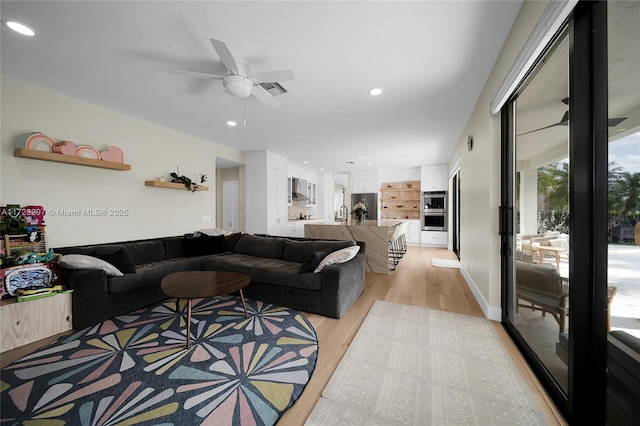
542,287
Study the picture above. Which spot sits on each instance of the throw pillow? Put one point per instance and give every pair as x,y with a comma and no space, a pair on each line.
213,244
339,256
81,261
312,262
192,245
118,258
203,244
231,240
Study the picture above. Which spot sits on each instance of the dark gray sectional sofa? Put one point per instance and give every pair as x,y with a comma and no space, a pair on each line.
273,263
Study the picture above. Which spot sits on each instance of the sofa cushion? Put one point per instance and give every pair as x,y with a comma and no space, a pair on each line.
339,256
263,270
152,273
312,263
202,244
266,247
301,251
118,257
173,247
231,240
142,252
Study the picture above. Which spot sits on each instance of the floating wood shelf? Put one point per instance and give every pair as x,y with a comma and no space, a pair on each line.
400,200
159,184
68,159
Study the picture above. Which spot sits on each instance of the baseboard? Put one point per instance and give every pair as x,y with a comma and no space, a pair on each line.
494,313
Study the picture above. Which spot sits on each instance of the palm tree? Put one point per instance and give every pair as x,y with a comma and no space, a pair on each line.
553,182
629,188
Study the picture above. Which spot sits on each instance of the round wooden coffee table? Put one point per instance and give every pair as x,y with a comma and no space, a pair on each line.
196,284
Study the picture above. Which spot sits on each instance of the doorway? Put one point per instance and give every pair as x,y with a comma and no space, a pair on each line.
230,205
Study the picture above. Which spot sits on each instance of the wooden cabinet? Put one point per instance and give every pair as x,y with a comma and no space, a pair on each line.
364,181
33,320
434,178
400,200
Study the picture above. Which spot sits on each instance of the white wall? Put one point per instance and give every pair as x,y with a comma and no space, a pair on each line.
480,174
150,149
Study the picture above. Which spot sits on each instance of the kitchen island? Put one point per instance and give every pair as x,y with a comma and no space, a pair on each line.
375,233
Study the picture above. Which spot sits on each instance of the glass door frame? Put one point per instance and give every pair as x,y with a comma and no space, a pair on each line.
588,138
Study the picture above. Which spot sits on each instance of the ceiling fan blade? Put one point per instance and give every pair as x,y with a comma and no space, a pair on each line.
564,120
225,55
536,130
264,96
197,74
272,76
613,122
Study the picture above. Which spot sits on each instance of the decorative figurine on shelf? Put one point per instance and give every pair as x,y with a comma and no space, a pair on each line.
187,182
360,212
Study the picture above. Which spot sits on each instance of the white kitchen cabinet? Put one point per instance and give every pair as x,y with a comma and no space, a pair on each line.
434,238
413,232
295,229
398,175
434,178
364,181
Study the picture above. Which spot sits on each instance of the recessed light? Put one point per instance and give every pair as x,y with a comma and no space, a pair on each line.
305,162
231,123
368,164
359,156
375,92
19,28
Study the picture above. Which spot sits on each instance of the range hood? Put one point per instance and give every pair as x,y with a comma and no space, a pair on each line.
299,189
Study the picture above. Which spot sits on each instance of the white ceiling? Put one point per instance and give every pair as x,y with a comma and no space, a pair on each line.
431,58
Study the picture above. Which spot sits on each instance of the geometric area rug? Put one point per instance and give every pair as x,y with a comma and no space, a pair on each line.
135,369
409,365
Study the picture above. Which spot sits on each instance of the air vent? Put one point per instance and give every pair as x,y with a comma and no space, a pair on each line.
274,89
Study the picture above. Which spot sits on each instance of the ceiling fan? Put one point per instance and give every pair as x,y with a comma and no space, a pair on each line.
237,81
613,122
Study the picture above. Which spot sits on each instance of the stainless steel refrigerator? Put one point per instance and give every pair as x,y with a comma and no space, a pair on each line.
370,201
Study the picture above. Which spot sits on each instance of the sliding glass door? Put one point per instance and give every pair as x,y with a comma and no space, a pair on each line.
570,173
541,283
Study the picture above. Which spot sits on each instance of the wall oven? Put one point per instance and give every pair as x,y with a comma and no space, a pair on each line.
434,201
434,211
434,221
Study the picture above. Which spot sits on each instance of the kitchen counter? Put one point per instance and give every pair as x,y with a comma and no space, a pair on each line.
375,233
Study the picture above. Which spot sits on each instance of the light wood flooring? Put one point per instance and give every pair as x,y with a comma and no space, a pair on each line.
414,282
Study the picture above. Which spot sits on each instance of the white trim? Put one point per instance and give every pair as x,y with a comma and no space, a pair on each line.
556,12
494,313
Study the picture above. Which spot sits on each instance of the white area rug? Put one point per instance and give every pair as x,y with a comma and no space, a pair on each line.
410,365
445,263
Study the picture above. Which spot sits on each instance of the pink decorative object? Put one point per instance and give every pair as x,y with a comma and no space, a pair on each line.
113,154
35,141
87,151
65,148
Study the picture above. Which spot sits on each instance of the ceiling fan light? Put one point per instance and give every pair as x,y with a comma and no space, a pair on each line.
238,86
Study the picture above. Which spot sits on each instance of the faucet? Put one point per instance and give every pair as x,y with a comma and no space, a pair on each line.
344,213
